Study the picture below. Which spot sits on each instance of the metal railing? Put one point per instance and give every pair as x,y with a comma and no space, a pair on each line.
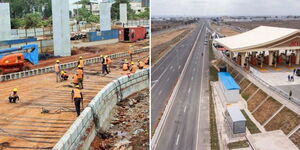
28,73
241,70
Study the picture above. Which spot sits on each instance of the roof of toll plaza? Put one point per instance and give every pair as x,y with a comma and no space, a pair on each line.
262,38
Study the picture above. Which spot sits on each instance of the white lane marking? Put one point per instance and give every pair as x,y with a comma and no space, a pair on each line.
194,69
160,92
179,67
184,108
192,78
158,78
168,79
161,124
178,136
200,101
171,67
189,91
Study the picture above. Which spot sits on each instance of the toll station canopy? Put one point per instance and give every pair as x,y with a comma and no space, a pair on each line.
262,38
228,81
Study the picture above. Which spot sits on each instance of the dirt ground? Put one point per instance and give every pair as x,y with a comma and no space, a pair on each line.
286,120
225,30
162,43
250,25
23,126
256,100
130,126
296,138
94,51
266,110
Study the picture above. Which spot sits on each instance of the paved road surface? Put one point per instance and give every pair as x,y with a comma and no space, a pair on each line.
165,74
185,125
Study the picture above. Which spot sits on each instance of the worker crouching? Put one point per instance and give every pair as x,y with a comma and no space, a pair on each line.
64,76
133,67
77,98
141,64
125,65
13,96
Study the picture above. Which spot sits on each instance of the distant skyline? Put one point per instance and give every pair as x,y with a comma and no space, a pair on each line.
225,7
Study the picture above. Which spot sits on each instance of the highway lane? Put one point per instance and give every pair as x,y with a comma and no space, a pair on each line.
165,73
186,124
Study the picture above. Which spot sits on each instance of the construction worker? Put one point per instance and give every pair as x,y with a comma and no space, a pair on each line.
141,64
64,76
77,98
147,61
13,97
109,61
75,79
57,71
81,62
104,66
130,52
125,65
133,68
80,76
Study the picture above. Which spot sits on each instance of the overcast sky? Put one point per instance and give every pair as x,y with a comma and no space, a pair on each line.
224,7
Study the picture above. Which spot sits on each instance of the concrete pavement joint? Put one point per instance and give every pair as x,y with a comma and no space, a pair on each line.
177,141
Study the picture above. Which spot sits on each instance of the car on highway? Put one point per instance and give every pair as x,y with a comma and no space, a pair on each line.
298,72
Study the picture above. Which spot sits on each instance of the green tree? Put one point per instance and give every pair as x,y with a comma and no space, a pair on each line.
115,10
144,15
33,20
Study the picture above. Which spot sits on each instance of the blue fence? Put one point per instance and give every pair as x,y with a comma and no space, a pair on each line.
102,35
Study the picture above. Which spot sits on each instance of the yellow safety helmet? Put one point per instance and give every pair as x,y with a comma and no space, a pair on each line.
101,55
77,86
138,60
57,61
62,72
15,90
125,59
132,63
130,45
105,56
80,57
79,66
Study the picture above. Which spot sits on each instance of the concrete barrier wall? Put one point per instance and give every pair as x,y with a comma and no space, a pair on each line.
33,72
96,116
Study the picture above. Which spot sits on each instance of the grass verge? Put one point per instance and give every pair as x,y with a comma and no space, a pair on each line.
213,76
239,144
250,124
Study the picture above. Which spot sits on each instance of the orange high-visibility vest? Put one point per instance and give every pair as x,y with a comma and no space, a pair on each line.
75,79
125,67
133,69
109,61
80,73
56,67
81,63
76,93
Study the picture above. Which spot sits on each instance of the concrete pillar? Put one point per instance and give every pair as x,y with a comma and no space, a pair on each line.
5,29
61,28
105,16
271,55
123,13
243,57
297,56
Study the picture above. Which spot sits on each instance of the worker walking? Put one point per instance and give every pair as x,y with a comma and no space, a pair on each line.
141,64
125,65
80,76
13,96
81,62
77,98
104,66
57,71
133,67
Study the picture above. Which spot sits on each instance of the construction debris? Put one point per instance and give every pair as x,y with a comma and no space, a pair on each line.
129,127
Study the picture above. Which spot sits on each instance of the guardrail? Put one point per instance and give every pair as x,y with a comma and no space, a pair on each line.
96,115
262,82
33,72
